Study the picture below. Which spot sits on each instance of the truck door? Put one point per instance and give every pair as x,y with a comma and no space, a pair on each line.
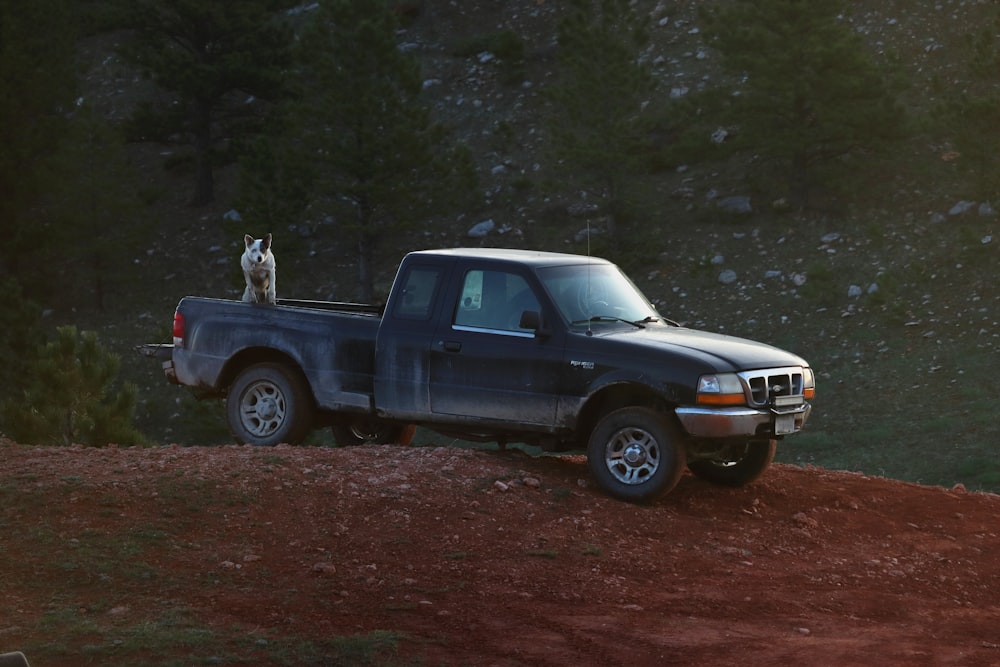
404,338
483,364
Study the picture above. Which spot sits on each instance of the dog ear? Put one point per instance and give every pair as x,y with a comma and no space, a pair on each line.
247,239
266,243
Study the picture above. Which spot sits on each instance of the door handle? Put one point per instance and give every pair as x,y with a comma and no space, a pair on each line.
452,346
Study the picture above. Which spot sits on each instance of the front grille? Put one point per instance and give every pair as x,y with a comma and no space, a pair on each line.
763,385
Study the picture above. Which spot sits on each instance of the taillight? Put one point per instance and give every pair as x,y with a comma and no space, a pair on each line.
178,329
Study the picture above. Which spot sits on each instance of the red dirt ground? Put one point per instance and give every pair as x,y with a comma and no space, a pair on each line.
501,559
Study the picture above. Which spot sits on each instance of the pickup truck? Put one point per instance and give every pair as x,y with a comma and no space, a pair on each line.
555,350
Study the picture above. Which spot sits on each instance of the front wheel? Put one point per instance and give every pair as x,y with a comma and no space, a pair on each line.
269,404
368,431
740,465
636,454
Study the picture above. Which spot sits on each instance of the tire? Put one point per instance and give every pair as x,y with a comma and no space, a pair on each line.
15,659
369,431
269,404
636,454
747,463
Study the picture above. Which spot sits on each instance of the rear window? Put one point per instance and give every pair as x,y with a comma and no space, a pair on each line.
420,286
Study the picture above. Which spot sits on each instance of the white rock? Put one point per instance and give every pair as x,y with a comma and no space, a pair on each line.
728,277
961,207
482,229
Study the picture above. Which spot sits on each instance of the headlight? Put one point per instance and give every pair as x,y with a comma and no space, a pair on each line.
721,389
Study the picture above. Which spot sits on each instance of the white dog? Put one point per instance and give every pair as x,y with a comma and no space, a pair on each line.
258,269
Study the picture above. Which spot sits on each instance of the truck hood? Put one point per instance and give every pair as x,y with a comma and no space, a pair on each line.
720,352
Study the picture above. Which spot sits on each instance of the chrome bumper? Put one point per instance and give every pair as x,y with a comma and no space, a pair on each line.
743,422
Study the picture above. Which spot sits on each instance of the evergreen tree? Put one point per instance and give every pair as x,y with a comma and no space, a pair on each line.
36,74
600,124
276,183
214,56
812,91
376,163
98,217
20,331
68,397
972,119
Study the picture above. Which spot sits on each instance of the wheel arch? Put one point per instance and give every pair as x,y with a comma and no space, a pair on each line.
260,355
619,395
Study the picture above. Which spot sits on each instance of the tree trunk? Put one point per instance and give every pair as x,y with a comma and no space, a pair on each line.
366,252
798,180
614,207
365,281
204,179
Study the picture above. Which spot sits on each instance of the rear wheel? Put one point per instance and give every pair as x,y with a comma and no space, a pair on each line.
636,454
268,404
740,465
368,431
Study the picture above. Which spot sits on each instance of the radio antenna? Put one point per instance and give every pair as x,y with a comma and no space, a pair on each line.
590,331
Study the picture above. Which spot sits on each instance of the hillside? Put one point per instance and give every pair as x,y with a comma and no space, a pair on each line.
884,289
441,556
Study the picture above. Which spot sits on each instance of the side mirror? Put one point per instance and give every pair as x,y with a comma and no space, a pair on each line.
532,321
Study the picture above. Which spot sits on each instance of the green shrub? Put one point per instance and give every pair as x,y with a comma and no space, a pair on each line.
67,396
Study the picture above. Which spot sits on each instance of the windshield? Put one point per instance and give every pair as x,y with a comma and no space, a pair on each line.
586,293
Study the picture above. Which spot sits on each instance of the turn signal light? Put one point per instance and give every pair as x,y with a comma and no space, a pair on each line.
722,399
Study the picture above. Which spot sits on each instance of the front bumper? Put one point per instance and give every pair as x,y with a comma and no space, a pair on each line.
743,422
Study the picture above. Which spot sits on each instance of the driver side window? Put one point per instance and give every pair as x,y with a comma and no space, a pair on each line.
494,300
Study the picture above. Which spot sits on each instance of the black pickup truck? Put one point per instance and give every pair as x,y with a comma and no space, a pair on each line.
555,350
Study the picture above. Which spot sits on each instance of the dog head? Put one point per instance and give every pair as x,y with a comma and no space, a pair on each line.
257,249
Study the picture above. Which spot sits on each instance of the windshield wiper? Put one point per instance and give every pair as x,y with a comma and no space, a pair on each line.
640,324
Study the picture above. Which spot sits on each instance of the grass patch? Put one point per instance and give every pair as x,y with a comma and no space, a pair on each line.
178,639
191,496
980,473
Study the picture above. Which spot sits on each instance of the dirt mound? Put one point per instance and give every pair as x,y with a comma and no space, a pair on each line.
496,558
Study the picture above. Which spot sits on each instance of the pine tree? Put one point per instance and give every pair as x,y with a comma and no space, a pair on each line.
376,162
971,120
812,91
97,216
20,331
69,397
37,76
215,56
599,122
